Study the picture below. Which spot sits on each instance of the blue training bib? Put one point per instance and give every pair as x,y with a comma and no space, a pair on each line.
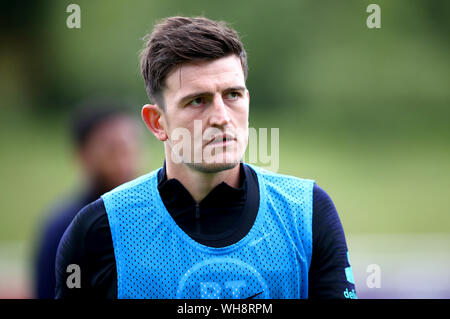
156,259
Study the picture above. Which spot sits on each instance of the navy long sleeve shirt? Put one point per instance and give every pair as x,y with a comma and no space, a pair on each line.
222,218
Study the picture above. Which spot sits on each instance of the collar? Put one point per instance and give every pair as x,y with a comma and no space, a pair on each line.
175,196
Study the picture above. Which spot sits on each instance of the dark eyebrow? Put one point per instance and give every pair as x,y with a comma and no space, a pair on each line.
235,88
193,96
198,94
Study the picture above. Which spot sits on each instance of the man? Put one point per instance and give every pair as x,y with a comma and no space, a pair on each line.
205,225
105,139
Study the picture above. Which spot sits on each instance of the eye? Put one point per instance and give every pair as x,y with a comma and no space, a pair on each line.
196,102
233,95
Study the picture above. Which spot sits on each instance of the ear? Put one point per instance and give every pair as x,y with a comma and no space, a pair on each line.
151,114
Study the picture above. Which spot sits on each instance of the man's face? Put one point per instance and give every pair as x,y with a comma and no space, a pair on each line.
208,100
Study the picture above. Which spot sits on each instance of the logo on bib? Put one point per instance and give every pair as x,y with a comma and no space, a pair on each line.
222,278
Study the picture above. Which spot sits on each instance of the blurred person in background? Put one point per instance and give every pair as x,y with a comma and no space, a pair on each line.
105,139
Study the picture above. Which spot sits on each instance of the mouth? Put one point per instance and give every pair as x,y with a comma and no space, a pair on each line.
221,140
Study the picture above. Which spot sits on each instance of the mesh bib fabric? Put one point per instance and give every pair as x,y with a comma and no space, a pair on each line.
156,259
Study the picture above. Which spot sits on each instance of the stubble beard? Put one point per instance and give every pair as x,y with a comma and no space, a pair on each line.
212,168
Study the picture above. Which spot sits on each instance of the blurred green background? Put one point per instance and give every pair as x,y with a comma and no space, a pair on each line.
362,111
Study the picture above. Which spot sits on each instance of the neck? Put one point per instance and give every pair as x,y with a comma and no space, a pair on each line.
199,183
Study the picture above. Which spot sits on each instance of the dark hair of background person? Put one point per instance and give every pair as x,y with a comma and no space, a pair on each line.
176,40
86,117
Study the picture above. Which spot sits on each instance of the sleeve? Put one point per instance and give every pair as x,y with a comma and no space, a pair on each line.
85,262
330,274
70,253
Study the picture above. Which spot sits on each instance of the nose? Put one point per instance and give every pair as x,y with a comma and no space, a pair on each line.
219,116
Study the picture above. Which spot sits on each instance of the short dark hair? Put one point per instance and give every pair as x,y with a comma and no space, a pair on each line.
176,40
87,117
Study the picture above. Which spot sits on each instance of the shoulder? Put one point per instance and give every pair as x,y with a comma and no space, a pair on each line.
130,194
130,197
273,179
133,184
286,189
89,216
325,214
86,222
321,198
